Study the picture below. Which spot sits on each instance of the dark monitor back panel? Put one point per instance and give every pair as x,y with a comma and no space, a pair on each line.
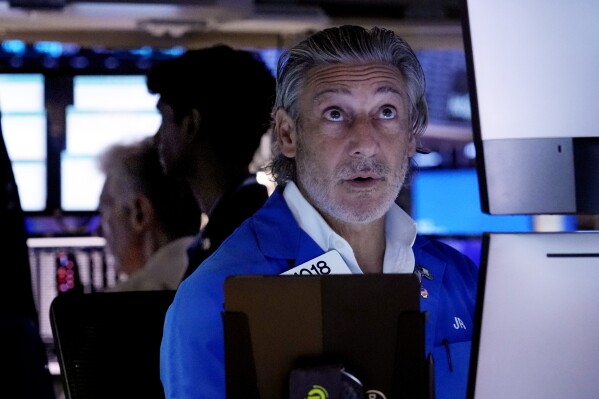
346,319
109,343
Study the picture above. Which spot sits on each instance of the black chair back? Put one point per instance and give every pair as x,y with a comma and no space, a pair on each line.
108,343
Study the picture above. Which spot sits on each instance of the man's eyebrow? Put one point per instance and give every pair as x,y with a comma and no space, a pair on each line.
343,90
336,90
390,89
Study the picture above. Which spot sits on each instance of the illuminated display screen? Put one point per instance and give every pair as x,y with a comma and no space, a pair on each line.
24,131
106,110
447,202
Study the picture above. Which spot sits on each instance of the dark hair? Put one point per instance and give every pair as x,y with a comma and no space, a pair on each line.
138,167
344,45
232,89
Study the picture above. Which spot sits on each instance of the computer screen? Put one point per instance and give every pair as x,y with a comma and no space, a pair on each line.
30,177
112,92
537,328
106,110
81,182
95,270
447,202
21,92
533,78
24,129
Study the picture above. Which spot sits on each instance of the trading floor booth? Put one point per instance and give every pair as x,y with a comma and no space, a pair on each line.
533,83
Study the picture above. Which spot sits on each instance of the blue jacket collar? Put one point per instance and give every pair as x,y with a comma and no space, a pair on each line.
280,237
278,234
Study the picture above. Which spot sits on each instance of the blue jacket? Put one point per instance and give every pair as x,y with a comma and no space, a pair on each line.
271,242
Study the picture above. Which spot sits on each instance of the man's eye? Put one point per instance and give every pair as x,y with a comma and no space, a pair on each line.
388,113
333,115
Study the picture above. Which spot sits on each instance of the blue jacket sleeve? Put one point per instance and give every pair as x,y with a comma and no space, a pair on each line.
192,352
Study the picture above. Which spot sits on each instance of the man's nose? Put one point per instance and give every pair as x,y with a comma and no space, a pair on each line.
363,141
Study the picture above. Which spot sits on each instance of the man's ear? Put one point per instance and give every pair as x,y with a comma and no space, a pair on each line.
143,214
412,145
285,133
191,124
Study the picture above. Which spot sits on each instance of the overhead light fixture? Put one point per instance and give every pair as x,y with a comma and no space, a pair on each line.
174,28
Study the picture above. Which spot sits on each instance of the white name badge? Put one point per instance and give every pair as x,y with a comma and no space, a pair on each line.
328,263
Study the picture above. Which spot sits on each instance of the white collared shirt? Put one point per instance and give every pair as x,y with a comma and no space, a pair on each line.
164,270
400,233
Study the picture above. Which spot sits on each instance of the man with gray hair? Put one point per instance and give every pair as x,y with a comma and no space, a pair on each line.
349,111
148,218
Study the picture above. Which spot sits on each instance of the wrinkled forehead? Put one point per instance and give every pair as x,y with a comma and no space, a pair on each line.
348,74
348,79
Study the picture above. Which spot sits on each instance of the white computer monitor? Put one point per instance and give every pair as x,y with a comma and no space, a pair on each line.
107,110
532,69
537,331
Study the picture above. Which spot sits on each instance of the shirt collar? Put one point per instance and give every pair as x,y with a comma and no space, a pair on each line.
400,233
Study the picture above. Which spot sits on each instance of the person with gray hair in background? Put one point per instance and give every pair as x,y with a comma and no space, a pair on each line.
148,218
350,107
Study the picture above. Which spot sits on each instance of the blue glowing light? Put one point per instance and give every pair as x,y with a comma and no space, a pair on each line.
173,51
14,46
145,51
52,49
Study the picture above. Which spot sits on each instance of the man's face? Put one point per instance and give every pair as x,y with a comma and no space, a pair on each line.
171,141
121,239
354,141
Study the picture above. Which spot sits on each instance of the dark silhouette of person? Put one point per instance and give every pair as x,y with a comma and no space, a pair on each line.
215,105
25,373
